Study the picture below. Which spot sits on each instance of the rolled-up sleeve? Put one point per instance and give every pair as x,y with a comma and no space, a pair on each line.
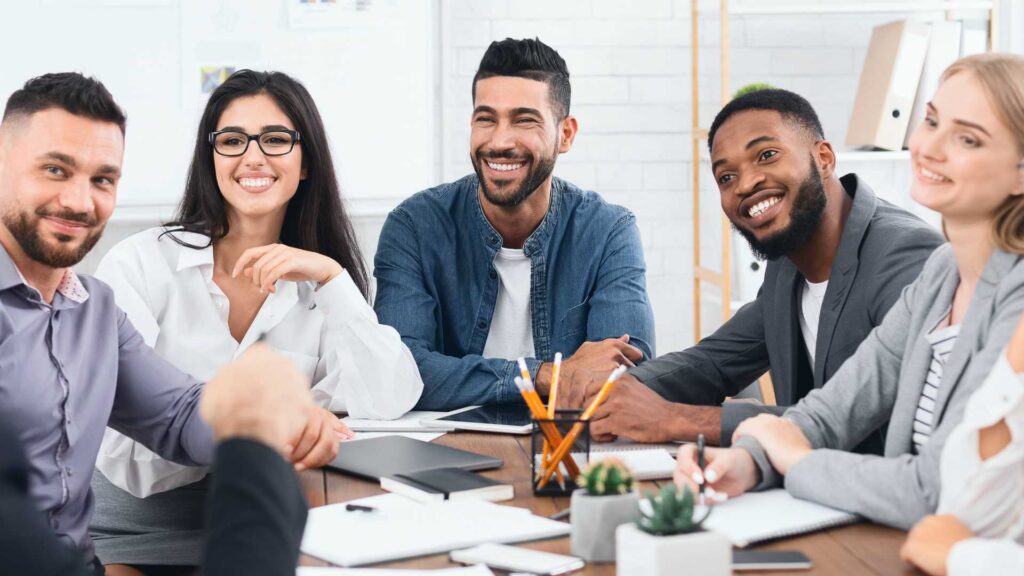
157,404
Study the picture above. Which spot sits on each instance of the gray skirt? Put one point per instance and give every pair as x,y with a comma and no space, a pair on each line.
163,529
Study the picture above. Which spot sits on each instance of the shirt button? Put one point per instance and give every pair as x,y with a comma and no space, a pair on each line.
493,240
493,274
220,305
481,324
68,470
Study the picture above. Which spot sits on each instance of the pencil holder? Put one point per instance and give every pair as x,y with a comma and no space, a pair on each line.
565,425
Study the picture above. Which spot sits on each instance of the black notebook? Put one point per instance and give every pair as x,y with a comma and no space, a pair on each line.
447,484
375,458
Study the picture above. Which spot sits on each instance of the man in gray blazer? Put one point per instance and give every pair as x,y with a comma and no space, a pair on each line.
838,258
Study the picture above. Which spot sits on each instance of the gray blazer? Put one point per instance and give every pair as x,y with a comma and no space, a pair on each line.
882,382
881,251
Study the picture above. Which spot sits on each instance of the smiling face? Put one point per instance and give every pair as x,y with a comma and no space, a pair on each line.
768,181
58,183
255,185
515,138
965,159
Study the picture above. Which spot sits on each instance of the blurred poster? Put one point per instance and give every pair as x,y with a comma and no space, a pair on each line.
330,14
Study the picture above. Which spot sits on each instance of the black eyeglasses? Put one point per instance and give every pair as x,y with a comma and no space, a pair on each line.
271,142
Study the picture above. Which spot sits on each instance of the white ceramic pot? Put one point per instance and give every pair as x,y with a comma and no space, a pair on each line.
702,553
594,520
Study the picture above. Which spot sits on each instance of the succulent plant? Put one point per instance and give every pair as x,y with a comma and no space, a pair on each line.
752,88
606,478
670,513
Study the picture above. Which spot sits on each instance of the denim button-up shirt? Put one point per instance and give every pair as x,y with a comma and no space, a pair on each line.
437,285
67,369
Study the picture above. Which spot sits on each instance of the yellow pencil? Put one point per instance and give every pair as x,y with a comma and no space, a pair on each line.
570,438
551,433
552,405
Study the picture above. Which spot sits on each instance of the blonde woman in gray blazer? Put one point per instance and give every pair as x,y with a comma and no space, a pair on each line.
938,342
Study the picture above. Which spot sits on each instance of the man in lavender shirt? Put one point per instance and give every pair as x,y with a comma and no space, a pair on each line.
70,361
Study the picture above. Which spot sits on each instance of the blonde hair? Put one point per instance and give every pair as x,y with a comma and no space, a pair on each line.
1002,78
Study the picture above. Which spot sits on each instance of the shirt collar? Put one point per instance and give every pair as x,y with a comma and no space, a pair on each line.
70,286
193,257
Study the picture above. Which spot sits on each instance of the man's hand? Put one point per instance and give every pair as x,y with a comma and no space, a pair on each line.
931,540
318,443
597,358
260,396
729,471
783,441
634,411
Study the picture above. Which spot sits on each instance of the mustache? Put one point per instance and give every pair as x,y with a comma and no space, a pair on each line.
502,155
71,216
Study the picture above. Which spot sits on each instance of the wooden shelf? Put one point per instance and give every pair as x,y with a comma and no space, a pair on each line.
781,8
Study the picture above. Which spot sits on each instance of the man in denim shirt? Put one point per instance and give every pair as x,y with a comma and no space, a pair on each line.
511,262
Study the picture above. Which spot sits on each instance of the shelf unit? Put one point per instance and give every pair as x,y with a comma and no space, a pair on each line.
723,279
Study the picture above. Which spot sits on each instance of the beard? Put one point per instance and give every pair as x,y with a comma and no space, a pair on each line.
804,219
540,170
24,227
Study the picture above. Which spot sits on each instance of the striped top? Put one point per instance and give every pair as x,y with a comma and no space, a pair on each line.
942,341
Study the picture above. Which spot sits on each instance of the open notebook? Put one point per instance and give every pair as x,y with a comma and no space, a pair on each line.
646,463
758,516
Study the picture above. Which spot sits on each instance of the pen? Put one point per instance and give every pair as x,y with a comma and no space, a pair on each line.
359,508
700,464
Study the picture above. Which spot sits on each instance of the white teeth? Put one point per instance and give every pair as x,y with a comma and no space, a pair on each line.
933,176
504,167
255,182
760,207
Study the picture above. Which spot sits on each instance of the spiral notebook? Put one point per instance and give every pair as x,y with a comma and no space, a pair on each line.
758,516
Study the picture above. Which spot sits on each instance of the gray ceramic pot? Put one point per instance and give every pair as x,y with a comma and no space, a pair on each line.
594,520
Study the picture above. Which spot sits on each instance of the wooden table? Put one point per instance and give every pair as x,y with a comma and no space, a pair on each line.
858,549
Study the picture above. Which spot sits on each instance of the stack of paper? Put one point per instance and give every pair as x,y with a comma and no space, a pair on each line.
478,570
404,531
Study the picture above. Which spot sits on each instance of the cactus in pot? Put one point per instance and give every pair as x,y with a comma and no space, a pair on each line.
605,499
668,535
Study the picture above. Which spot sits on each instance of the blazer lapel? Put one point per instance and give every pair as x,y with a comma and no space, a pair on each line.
844,270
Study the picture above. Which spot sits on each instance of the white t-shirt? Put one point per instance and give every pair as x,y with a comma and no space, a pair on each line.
511,334
811,297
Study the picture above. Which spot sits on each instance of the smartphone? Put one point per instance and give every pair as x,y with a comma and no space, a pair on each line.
769,560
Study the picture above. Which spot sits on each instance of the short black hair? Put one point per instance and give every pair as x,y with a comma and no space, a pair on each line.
69,91
531,59
790,105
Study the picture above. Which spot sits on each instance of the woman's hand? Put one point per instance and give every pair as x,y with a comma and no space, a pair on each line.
931,540
782,440
265,265
318,443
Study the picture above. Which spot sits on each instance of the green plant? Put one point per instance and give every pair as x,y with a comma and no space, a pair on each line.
752,88
670,513
607,477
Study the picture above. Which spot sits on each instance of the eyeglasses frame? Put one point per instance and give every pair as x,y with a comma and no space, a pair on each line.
212,137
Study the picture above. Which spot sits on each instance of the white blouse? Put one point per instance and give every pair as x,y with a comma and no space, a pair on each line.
987,496
354,364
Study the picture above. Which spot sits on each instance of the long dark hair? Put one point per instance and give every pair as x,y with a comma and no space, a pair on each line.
315,218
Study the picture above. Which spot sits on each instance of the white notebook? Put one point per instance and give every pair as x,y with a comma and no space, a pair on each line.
406,531
758,516
646,464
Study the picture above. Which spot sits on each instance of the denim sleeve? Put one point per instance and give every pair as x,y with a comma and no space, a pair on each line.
619,303
404,303
157,404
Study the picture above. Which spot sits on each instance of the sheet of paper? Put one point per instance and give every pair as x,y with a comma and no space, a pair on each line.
410,422
424,436
478,570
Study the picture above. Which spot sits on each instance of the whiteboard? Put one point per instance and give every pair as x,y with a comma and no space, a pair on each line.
371,72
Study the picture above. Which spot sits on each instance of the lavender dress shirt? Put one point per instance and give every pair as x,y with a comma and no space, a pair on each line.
72,367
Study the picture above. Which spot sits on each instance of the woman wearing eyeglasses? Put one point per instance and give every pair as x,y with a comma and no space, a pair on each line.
261,249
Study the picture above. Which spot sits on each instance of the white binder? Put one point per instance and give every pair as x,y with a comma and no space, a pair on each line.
888,84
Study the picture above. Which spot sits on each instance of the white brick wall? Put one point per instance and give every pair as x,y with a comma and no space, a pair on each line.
630,67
